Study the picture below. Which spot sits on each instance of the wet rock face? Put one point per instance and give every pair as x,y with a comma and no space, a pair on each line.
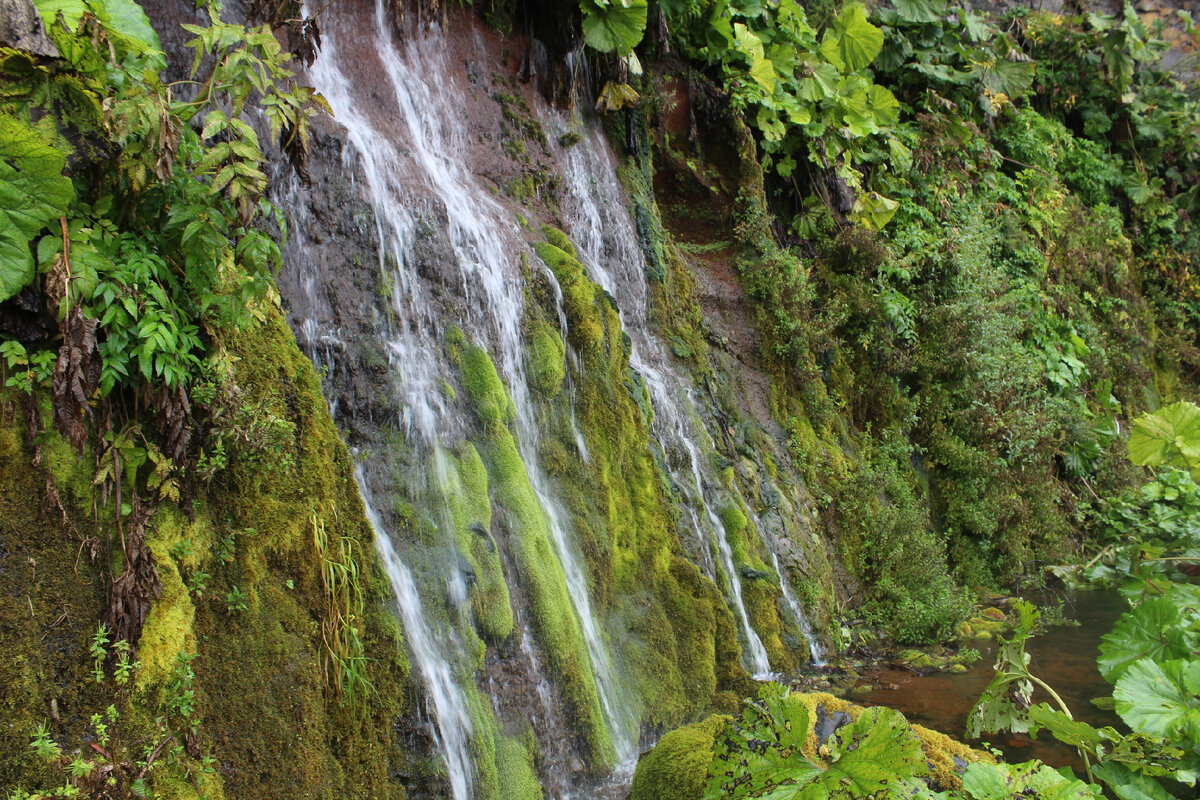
21,27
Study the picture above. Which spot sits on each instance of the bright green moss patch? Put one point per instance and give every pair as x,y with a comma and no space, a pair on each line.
483,384
467,495
547,357
516,759
560,240
677,767
528,541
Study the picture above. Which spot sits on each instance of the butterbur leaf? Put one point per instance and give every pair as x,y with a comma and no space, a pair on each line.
613,26
1013,78
851,42
876,750
758,755
874,210
1169,436
1129,785
33,193
1148,631
1161,699
920,10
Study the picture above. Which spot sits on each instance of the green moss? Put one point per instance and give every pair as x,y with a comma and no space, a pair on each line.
734,520
467,494
675,638
169,628
518,768
548,366
536,560
677,767
483,384
560,240
587,329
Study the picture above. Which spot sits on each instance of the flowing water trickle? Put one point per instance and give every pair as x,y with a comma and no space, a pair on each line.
452,728
405,140
601,226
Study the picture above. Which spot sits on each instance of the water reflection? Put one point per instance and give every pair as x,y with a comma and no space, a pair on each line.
1063,656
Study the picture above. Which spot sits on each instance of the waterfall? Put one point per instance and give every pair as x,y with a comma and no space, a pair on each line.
452,731
405,140
600,224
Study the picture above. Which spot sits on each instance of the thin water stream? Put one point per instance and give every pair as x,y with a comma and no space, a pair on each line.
600,224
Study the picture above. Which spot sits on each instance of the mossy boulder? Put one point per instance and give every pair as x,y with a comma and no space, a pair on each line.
677,767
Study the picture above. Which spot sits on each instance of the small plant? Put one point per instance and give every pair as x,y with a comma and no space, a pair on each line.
235,600
197,583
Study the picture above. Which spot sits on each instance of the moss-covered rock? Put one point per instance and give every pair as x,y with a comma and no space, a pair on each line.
677,767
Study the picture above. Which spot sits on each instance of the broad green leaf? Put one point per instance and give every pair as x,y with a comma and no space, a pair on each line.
122,17
883,105
876,750
1169,436
851,42
975,26
1148,631
33,193
1066,730
920,10
901,156
821,84
1013,78
1161,699
983,781
874,210
749,45
127,18
613,26
1129,785
759,754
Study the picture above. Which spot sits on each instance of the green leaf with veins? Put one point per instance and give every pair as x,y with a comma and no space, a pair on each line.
613,26
851,42
1169,436
1161,699
1150,630
33,194
877,750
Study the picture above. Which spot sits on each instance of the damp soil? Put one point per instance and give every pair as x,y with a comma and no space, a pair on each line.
1064,656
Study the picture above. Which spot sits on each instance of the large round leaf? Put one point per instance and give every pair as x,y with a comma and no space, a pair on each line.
1162,699
1169,436
33,193
613,26
851,42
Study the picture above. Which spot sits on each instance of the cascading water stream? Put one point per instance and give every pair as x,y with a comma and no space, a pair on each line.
815,650
405,141
603,231
452,730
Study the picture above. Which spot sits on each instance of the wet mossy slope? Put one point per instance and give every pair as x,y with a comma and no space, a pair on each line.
242,597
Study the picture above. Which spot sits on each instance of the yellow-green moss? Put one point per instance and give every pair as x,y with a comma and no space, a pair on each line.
547,359
467,496
516,759
560,240
536,560
483,384
675,638
677,767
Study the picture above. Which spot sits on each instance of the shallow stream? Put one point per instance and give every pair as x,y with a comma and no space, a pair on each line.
1064,656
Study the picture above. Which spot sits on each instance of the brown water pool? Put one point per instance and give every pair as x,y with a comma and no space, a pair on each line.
1063,656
